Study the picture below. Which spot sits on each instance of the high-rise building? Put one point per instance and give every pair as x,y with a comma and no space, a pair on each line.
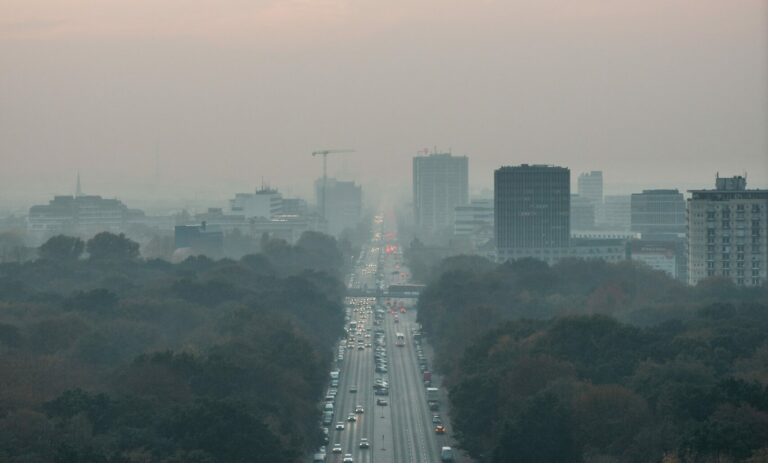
590,186
343,204
658,214
728,233
582,213
532,211
440,183
264,203
616,213
474,221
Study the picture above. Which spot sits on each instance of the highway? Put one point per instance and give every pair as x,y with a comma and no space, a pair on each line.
401,431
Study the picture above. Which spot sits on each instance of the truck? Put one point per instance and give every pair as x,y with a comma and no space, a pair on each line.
446,454
433,398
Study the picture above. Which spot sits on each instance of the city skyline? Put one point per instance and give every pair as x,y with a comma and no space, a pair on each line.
226,93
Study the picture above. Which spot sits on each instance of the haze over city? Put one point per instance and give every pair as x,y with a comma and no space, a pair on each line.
210,97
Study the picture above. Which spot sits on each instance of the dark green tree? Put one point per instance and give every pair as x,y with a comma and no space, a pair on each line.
108,246
62,248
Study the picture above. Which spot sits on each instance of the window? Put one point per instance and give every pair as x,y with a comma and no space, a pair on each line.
740,281
755,281
711,216
755,273
739,207
726,273
710,273
740,248
726,224
739,256
739,264
711,264
726,239
726,264
755,208
740,273
726,256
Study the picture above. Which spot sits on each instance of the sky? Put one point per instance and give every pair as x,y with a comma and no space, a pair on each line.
204,98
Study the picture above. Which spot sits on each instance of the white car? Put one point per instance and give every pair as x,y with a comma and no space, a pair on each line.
336,448
348,458
340,426
364,444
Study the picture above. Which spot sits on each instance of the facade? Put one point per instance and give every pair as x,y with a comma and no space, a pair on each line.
84,215
343,204
660,255
531,210
728,233
590,186
440,183
264,203
582,213
200,239
658,214
617,213
474,222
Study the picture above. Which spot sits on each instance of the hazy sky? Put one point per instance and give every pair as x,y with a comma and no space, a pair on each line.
225,92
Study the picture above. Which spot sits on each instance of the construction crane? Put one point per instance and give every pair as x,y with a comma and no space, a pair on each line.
324,154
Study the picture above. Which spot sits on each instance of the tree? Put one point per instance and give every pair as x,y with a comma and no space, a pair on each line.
62,248
108,246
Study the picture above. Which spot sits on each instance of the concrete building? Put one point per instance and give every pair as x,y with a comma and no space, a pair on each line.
658,214
264,203
199,239
440,183
582,213
343,204
660,255
728,233
474,222
80,215
590,187
617,213
532,211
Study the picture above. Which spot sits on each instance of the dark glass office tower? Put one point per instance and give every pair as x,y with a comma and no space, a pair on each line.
532,207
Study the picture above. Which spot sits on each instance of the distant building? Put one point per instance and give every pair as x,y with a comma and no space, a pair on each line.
474,222
617,213
532,211
590,187
343,204
84,215
264,203
440,183
200,239
582,213
294,207
728,233
658,214
660,255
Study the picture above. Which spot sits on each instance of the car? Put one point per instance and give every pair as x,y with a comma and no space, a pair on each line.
348,458
382,402
340,426
359,409
353,389
439,429
436,419
336,448
364,444
351,417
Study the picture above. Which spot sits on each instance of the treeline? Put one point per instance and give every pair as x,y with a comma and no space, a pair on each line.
594,362
105,357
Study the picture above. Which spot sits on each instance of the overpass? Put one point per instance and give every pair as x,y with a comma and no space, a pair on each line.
395,291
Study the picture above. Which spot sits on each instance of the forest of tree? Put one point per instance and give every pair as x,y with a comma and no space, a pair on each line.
592,362
106,357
